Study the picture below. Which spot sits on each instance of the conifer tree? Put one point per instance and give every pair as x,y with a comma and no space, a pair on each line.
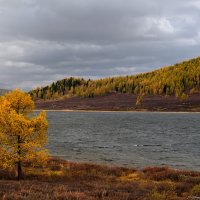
22,136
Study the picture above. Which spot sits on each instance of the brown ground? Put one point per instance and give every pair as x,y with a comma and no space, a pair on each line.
62,180
122,102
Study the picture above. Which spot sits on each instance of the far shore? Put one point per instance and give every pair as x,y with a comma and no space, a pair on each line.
108,111
117,102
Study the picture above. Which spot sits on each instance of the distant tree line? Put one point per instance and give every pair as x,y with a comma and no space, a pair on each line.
180,80
3,91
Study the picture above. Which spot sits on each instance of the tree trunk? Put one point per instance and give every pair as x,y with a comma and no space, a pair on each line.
19,166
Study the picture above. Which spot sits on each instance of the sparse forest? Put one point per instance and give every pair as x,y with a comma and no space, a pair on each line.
180,80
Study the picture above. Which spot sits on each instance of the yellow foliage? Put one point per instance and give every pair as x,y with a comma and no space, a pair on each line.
196,190
20,102
157,196
139,100
183,97
132,177
22,136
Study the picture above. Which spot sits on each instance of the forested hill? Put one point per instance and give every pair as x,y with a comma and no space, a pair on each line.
3,91
180,80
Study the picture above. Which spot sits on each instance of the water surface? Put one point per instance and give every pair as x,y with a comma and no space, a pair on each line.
135,139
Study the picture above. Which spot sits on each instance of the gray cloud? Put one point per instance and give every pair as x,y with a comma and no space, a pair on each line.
42,41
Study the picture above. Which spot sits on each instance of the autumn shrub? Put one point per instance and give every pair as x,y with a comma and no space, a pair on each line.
196,190
157,196
182,188
61,179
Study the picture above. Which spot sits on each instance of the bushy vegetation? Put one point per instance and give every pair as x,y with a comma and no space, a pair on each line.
65,180
180,80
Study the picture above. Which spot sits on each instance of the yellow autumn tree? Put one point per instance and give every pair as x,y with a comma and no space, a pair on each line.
22,135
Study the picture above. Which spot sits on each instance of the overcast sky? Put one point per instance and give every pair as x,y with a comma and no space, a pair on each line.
45,40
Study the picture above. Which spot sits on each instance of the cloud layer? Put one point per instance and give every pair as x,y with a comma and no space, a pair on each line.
42,41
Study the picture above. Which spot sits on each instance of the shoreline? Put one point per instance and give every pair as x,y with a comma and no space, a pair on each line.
128,166
110,111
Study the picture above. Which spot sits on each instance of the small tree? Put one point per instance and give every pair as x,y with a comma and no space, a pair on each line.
139,100
22,136
183,97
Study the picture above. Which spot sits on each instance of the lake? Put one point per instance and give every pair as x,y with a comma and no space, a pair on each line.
134,139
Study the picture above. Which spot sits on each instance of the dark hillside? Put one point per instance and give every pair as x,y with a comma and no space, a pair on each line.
122,102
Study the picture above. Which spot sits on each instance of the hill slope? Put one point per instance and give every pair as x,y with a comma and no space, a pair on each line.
181,81
3,91
122,102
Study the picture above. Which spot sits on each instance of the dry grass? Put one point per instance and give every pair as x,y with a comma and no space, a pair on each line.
72,181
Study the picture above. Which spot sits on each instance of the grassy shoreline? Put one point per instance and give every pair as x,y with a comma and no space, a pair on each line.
110,111
61,179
